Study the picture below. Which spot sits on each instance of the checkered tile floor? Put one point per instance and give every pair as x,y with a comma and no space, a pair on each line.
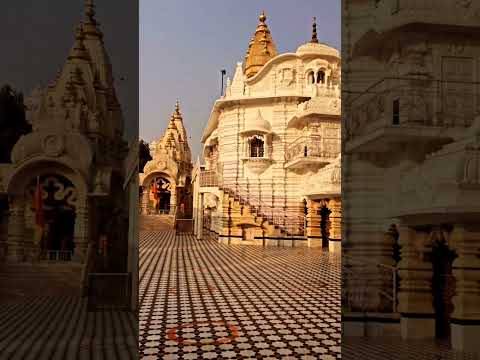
46,328
204,300
396,349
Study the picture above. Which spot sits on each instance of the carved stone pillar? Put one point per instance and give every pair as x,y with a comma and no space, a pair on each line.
199,223
81,233
465,321
145,198
173,200
415,300
16,231
335,216
313,231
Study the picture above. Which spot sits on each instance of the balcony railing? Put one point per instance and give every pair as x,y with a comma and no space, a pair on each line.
56,255
208,178
313,146
413,101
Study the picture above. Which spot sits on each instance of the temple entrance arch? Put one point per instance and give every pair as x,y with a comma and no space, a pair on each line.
58,208
161,195
64,232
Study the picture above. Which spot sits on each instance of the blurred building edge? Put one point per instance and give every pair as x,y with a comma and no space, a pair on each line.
74,158
165,182
271,150
411,164
131,187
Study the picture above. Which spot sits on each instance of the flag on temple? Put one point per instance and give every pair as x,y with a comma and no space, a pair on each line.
155,195
39,214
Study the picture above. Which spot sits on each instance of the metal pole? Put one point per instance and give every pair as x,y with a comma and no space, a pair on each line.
223,73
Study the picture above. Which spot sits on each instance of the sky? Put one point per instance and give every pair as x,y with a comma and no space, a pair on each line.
41,34
185,43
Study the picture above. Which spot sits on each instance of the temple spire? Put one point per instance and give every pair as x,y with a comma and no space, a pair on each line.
314,31
261,48
177,115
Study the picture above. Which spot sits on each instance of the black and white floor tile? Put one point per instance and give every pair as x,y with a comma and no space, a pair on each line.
204,300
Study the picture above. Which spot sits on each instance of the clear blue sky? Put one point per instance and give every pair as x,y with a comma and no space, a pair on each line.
185,43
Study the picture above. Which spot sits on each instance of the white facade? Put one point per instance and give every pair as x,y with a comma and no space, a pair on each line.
266,147
411,168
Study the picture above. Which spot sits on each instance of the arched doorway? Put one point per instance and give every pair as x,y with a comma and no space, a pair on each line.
58,205
160,190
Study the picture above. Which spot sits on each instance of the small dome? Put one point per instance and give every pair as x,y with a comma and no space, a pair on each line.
312,48
257,125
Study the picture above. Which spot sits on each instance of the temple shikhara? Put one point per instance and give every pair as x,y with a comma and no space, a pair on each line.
166,179
67,183
411,171
270,170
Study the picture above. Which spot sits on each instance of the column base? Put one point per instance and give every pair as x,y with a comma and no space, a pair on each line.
80,255
353,329
335,246
417,327
465,337
15,255
314,242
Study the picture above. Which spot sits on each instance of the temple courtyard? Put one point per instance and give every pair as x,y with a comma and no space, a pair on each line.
203,300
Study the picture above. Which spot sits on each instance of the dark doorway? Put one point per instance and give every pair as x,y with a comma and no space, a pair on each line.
325,225
161,191
164,203
58,208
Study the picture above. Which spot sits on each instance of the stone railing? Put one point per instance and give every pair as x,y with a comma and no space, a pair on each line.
368,286
313,146
261,198
209,178
412,101
56,255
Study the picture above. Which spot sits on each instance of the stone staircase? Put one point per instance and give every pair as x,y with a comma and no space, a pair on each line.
244,213
24,280
156,222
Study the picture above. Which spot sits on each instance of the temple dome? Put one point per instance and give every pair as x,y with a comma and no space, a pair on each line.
257,125
317,49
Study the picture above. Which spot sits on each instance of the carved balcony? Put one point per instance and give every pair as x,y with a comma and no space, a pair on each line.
393,14
209,178
311,150
414,110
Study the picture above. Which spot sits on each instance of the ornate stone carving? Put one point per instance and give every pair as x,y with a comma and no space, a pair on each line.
53,145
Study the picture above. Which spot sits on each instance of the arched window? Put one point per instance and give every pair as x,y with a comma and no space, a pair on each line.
320,77
256,147
311,77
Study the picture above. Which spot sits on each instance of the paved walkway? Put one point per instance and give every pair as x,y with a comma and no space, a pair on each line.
382,348
58,328
204,300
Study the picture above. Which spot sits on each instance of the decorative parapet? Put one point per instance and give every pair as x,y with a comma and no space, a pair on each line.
392,14
208,178
326,182
413,102
313,148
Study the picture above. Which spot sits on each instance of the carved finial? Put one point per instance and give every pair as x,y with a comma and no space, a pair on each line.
314,31
90,10
262,17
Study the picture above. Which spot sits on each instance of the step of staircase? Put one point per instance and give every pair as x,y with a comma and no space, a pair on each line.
156,222
25,280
